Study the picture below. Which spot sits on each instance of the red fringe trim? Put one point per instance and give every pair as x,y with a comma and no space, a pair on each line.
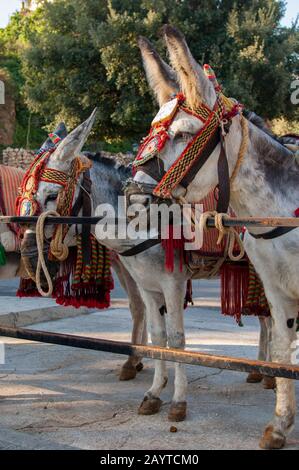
170,246
234,289
27,288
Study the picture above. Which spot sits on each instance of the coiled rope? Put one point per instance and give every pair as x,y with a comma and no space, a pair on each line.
58,249
230,232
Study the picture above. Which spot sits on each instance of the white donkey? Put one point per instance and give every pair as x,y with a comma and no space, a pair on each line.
10,179
267,185
157,287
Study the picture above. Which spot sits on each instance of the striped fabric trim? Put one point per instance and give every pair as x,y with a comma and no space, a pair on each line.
51,175
10,182
192,152
11,179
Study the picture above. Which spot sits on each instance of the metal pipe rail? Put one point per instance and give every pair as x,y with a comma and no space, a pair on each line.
172,355
260,222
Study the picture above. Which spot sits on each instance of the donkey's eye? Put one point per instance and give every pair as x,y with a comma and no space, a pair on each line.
51,198
183,136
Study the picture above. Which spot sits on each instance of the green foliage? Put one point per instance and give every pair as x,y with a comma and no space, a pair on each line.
13,40
72,55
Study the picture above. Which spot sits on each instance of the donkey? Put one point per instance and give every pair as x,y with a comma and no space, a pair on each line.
266,184
10,179
156,287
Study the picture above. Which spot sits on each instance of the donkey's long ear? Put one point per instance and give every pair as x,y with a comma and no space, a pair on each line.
161,78
194,84
60,131
73,143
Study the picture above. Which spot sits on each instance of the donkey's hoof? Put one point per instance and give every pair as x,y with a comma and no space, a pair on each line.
269,383
254,378
178,412
139,367
272,439
127,373
150,406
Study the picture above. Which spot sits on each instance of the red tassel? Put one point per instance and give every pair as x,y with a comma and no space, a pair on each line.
234,288
171,245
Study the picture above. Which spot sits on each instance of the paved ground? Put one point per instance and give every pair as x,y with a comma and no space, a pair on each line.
55,397
18,312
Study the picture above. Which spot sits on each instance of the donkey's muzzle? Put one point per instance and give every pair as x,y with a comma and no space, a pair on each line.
29,254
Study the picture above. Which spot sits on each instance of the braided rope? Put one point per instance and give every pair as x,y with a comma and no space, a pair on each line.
243,148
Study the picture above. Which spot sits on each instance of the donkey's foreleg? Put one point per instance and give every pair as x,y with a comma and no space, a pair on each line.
256,377
137,309
269,383
284,315
263,354
151,403
174,297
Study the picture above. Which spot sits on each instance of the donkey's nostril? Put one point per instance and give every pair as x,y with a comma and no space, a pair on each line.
141,199
138,203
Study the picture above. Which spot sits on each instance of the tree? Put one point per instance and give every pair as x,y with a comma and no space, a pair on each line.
13,40
78,54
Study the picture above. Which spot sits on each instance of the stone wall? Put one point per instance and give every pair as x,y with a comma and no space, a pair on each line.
22,158
19,158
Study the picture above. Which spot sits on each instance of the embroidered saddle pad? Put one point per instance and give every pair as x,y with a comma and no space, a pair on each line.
10,181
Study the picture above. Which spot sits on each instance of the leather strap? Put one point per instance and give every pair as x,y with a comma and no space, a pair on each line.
84,202
199,163
86,212
154,168
277,232
223,179
137,249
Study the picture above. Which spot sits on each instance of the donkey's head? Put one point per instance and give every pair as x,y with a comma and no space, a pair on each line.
56,175
197,94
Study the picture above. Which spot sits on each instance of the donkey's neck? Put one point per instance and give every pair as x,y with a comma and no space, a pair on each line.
268,181
108,178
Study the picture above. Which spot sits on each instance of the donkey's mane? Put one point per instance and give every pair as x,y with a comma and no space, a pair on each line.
278,163
259,122
111,164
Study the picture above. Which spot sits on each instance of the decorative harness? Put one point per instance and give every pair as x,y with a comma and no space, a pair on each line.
216,122
27,204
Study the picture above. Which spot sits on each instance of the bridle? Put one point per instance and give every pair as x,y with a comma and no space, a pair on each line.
216,125
217,122
27,204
